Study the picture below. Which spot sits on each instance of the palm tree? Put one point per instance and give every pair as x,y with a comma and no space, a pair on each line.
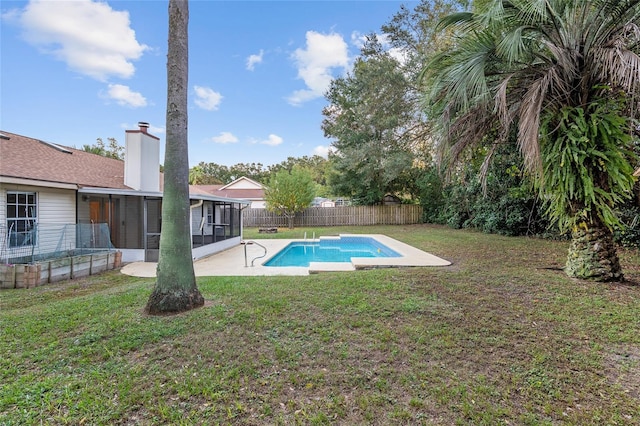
196,174
175,289
562,77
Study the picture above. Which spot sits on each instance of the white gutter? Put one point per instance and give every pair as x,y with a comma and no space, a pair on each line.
33,182
191,207
115,191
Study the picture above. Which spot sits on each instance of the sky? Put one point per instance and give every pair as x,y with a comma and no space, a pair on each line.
72,71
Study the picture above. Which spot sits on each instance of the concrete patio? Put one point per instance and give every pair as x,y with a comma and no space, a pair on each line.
231,262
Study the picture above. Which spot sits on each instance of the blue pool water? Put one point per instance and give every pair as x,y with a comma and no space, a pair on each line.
341,249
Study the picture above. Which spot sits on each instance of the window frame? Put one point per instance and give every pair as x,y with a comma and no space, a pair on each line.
210,214
22,226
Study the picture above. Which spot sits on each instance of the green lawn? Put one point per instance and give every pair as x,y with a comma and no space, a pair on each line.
500,337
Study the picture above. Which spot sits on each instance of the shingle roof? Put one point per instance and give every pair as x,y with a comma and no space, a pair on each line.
28,158
241,194
245,194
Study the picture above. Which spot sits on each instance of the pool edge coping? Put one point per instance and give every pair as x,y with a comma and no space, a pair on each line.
230,262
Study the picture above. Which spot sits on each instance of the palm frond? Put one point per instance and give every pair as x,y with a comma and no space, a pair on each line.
460,19
466,131
529,126
620,67
515,60
484,168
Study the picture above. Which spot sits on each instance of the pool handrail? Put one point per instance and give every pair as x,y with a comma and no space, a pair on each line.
245,244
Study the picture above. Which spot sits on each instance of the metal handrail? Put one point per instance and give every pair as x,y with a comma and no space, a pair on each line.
245,244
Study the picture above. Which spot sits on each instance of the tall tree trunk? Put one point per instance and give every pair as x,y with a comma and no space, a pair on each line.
290,219
175,289
593,255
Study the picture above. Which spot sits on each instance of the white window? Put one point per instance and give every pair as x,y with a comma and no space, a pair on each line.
209,214
22,217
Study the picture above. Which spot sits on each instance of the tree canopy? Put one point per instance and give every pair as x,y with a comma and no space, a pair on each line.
216,174
375,115
114,150
290,192
368,118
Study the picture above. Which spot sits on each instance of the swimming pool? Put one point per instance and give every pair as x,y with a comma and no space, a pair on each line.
330,249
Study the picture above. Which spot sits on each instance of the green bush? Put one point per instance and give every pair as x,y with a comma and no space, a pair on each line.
628,234
507,206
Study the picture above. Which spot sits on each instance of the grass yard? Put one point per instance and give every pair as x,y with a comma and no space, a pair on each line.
500,337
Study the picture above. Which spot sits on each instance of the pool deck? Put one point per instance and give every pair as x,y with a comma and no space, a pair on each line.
231,262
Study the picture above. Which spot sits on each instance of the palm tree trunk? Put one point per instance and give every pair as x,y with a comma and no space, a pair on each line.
593,255
176,290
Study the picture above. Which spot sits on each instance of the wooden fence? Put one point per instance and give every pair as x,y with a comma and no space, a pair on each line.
338,216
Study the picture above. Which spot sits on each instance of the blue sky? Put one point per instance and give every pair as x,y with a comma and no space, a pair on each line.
75,70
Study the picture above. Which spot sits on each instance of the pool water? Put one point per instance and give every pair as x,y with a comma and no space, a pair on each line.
302,253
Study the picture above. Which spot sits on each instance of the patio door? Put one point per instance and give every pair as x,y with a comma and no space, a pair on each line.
153,224
105,210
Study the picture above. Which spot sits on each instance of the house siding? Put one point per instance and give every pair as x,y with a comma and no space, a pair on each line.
56,206
3,205
56,218
196,221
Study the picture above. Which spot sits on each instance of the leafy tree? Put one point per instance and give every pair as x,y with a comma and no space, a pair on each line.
315,164
505,205
414,33
565,74
216,174
114,150
431,195
367,118
175,288
376,117
196,175
254,171
210,174
290,192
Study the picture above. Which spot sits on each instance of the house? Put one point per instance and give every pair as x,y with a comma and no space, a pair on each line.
242,188
56,198
391,200
322,202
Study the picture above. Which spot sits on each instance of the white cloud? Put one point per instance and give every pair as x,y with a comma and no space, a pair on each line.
207,98
358,39
272,140
225,137
252,60
396,53
155,130
322,54
125,97
90,37
322,150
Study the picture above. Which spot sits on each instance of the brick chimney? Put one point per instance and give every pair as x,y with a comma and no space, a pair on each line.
142,159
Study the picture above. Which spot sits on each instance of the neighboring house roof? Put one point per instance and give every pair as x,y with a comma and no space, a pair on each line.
246,194
319,201
27,158
241,188
243,182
